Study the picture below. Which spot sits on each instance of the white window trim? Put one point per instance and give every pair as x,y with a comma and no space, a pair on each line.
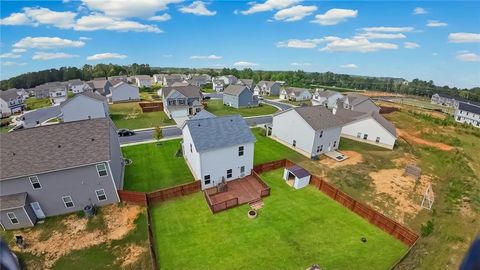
65,204
14,217
38,181
104,194
98,171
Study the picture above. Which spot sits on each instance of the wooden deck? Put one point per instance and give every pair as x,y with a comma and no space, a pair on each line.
246,189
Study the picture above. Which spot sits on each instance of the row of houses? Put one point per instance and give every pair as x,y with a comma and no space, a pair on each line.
466,111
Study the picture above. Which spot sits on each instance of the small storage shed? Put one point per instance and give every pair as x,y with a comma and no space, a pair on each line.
296,176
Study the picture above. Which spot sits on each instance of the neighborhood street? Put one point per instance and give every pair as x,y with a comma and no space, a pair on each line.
280,105
169,132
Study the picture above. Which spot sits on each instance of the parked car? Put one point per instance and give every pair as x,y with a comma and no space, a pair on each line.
125,132
207,98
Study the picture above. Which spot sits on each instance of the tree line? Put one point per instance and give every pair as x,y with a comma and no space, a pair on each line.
297,78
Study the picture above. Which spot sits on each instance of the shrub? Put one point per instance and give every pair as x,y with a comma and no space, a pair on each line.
427,228
4,123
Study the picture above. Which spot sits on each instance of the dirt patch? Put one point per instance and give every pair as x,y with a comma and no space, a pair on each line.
131,254
119,221
414,139
353,159
380,94
406,192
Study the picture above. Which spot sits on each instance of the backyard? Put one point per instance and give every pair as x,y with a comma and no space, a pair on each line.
36,103
295,229
130,115
216,107
155,167
116,238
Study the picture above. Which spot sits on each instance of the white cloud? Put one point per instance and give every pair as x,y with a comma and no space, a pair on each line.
410,45
269,5
335,16
104,56
374,35
294,13
245,64
464,38
362,45
300,43
16,19
47,43
296,64
10,63
60,19
85,38
419,11
468,57
434,23
10,55
161,18
349,66
197,8
17,50
209,57
389,29
100,22
129,8
51,56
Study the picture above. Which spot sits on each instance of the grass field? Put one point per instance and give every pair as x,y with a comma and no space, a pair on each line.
295,229
129,115
155,167
267,149
216,107
149,96
34,103
423,103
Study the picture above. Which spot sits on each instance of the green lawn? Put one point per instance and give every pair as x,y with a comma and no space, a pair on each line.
129,115
208,90
271,97
216,107
295,229
155,167
267,149
34,103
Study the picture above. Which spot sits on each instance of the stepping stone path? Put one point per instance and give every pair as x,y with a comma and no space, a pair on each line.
256,204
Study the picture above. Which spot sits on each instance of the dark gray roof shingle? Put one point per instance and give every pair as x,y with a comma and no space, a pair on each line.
187,90
54,147
318,117
218,132
348,116
469,107
235,89
203,114
13,201
298,171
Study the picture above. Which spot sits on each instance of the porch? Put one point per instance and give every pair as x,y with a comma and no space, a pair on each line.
237,192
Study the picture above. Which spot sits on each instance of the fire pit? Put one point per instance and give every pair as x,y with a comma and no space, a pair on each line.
252,213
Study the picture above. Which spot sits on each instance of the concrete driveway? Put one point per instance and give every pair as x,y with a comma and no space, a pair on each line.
280,105
33,118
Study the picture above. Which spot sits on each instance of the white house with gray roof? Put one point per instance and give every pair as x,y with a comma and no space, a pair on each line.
371,128
267,88
239,96
123,92
58,169
83,106
11,102
359,103
326,98
143,80
218,148
181,101
310,130
295,94
468,113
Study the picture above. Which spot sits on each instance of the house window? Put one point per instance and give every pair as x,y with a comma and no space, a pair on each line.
365,136
318,148
102,169
181,101
359,135
334,143
101,196
191,149
229,173
206,179
294,143
67,200
35,183
377,140
321,133
13,218
240,151
321,148
458,118
242,170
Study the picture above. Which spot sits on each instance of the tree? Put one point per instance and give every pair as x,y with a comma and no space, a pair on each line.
157,134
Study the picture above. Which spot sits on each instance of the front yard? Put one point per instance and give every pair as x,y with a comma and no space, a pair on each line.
33,103
155,167
129,115
216,107
295,229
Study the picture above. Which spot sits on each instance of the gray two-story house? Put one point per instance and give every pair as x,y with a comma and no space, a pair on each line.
11,102
181,101
239,96
58,169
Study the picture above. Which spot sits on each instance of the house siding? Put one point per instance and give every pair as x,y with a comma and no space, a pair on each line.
125,92
330,140
24,215
373,129
116,163
80,183
82,108
289,126
192,157
470,118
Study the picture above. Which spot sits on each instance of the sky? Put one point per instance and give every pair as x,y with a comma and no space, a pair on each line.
431,40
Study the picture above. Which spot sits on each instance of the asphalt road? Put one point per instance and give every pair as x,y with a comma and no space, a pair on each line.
33,118
282,106
168,132
213,95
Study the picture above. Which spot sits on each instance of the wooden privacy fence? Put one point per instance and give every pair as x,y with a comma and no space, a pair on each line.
386,224
151,106
173,192
151,241
133,197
